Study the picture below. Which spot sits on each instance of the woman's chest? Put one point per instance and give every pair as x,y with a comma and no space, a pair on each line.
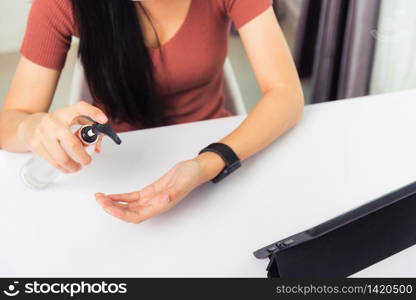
195,53
161,20
191,59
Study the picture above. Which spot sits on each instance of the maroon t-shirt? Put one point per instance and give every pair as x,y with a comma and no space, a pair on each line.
190,75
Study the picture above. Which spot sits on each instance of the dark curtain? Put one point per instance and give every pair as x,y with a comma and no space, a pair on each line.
335,47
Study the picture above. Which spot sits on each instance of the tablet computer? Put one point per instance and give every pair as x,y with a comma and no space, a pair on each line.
348,243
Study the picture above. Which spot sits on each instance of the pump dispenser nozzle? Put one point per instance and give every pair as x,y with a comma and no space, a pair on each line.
90,133
106,130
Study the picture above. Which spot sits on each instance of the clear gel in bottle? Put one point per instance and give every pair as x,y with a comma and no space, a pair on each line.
37,173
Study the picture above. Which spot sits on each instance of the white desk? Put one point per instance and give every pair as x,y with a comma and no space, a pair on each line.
342,155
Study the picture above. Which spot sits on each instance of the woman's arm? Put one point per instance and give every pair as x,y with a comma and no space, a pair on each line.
279,110
282,103
26,125
31,92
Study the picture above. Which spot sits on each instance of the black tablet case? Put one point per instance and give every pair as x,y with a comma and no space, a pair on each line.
349,243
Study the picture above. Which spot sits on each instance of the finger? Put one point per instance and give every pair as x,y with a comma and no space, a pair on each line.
98,145
85,109
40,150
59,155
143,196
70,115
135,212
116,211
72,144
122,204
81,120
128,197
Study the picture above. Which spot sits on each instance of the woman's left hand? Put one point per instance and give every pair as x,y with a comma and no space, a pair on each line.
156,198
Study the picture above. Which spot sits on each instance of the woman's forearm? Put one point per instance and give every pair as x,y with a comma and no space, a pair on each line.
9,128
278,111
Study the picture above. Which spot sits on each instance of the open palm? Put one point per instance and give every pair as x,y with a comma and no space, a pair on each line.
157,197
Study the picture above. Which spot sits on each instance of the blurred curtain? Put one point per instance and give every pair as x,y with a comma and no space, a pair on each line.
335,47
307,35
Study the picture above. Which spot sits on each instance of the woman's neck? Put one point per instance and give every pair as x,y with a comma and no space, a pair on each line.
162,19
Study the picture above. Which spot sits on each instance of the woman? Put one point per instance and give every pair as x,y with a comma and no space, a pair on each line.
147,64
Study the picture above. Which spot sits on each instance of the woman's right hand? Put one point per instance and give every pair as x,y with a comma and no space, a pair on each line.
46,134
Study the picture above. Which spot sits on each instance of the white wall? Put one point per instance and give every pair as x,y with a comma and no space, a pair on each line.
12,23
12,27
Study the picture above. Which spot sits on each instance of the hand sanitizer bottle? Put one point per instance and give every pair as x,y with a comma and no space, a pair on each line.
37,173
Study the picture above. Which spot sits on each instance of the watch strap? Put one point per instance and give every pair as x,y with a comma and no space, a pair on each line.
230,158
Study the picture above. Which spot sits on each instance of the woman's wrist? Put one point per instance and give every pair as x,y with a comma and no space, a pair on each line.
26,127
211,165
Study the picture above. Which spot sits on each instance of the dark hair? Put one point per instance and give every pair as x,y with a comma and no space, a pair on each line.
118,67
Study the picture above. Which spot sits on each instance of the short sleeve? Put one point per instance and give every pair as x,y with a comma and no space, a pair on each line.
243,11
48,33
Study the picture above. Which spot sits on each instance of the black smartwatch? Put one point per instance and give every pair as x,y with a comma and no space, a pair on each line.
231,160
